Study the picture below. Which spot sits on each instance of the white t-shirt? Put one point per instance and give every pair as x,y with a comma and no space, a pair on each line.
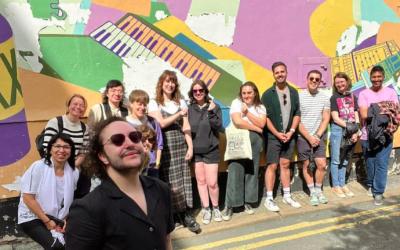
30,184
169,107
236,107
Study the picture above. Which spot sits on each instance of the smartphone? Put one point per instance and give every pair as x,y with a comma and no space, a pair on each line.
56,220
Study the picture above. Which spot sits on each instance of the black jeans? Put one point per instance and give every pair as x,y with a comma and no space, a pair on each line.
39,233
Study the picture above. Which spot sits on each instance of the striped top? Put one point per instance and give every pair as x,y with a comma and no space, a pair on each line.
73,129
311,108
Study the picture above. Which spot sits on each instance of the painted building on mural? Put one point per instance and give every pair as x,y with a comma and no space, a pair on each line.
50,49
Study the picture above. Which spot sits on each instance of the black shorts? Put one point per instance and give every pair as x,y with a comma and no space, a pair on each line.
277,149
304,149
211,157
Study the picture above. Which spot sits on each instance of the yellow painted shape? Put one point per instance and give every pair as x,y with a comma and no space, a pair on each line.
253,72
297,226
139,7
328,22
314,232
6,83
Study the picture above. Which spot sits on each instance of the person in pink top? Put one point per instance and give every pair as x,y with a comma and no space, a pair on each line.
377,159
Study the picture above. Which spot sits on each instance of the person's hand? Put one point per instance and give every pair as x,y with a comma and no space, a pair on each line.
281,137
189,154
212,106
288,136
50,225
354,138
259,130
183,112
244,108
314,141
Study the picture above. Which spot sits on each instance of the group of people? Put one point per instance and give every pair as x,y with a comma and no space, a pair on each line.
142,154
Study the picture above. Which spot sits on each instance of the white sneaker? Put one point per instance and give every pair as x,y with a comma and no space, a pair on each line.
206,218
217,215
271,205
289,200
369,192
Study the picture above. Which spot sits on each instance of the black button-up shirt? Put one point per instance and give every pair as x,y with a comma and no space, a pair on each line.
108,219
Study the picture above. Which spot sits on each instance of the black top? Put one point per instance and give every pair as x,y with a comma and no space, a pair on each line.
205,126
345,105
108,219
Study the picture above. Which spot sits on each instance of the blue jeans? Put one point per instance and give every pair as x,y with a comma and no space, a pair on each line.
338,172
377,166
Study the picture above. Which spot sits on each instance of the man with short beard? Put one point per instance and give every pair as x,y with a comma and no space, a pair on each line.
127,210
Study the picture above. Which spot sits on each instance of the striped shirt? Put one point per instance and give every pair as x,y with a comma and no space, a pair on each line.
312,108
73,129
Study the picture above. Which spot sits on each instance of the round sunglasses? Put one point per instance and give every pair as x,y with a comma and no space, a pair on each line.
119,139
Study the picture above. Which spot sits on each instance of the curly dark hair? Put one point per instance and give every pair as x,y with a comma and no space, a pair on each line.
92,164
203,85
65,138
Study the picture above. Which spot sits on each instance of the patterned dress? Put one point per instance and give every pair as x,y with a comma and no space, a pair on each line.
174,168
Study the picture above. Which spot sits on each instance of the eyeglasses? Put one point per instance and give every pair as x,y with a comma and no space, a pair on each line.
119,139
315,79
284,99
201,91
151,140
59,147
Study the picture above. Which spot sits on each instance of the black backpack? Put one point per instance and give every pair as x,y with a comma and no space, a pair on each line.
40,138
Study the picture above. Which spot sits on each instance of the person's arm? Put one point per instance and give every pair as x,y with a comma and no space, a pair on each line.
215,116
168,242
257,121
242,124
295,124
312,139
158,157
188,138
336,119
281,136
324,123
165,122
31,202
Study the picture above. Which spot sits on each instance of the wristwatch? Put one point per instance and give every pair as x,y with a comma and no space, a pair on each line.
292,130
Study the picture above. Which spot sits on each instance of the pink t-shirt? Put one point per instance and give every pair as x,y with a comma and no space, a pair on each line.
368,97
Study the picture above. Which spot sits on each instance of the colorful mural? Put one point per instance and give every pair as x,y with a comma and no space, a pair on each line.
50,49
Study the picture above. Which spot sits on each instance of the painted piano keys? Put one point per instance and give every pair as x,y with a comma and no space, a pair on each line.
131,37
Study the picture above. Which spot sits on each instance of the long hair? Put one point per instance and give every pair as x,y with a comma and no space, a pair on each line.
113,84
203,86
344,76
176,96
257,101
77,96
65,138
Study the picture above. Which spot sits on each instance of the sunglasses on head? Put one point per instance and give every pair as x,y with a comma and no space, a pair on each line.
198,90
119,139
284,99
315,79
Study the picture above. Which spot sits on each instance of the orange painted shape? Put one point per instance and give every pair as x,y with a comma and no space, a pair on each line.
388,31
139,7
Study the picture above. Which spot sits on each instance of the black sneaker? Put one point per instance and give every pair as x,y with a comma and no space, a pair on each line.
191,224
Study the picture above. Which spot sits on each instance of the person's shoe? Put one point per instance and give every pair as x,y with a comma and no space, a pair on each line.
378,199
248,209
338,191
227,213
217,215
290,201
191,223
369,192
322,198
347,191
314,199
271,205
206,219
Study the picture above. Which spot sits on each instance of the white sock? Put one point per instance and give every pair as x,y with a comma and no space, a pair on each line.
318,189
311,188
286,192
270,195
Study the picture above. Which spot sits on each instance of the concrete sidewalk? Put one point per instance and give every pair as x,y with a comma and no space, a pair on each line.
262,214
